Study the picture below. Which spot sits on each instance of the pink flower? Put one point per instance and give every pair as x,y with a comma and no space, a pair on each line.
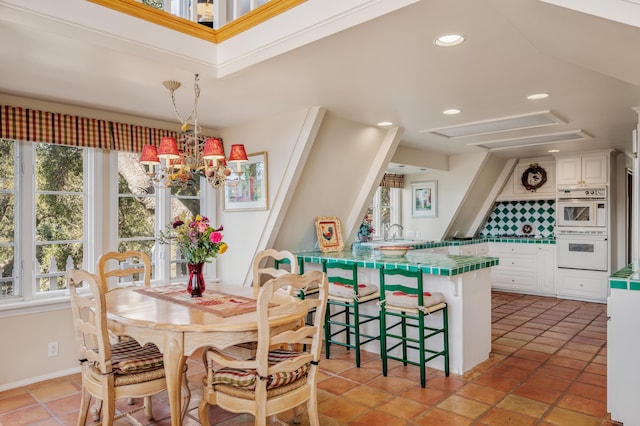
215,237
202,226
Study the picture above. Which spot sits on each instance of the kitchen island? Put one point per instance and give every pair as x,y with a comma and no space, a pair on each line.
465,282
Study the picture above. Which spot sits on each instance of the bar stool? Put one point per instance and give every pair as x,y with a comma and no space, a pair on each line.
411,304
346,295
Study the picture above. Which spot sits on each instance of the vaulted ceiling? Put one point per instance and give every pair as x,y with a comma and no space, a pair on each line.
385,68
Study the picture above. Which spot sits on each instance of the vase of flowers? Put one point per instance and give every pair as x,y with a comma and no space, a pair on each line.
198,242
365,232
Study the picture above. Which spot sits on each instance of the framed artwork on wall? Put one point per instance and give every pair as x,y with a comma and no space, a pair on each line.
424,199
329,234
249,190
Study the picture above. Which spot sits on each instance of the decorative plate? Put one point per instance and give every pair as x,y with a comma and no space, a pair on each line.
527,229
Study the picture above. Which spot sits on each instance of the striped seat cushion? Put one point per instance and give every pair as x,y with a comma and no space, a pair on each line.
346,290
405,300
129,357
247,378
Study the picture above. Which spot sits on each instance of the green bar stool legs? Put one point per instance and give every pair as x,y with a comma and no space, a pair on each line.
404,306
344,317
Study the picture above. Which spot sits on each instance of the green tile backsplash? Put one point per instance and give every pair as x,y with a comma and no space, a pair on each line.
508,217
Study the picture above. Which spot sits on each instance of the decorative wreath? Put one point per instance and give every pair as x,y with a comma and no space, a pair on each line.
534,177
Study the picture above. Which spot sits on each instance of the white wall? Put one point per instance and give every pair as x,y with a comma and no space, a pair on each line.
287,139
24,342
339,179
452,187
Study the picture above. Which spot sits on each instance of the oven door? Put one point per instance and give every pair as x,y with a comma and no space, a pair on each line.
577,213
582,252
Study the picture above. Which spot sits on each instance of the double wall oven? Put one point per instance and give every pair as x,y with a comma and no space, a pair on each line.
581,228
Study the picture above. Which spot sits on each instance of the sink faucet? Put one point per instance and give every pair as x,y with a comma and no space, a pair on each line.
388,229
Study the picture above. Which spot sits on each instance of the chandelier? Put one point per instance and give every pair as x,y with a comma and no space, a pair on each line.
178,163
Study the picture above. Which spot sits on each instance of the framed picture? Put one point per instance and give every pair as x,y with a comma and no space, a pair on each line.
249,191
329,234
424,196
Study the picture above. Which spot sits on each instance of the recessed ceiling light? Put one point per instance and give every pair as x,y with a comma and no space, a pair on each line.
451,111
553,150
448,40
537,96
385,123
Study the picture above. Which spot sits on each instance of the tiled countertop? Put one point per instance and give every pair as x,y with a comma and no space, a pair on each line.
428,263
627,278
479,240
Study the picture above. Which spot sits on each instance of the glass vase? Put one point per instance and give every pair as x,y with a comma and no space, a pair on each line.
196,284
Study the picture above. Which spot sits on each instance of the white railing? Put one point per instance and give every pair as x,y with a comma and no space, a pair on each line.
214,13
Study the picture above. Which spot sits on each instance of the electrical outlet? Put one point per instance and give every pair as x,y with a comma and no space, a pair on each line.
53,349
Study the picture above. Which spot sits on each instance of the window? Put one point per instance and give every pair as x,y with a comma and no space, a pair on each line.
8,160
59,214
385,209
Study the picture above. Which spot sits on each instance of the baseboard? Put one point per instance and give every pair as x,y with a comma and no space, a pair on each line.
32,380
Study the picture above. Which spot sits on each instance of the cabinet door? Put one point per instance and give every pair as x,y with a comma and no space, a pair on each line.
594,169
568,170
546,269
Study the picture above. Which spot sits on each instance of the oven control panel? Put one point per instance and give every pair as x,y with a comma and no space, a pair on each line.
582,192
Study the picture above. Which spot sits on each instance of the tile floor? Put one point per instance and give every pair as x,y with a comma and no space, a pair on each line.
547,367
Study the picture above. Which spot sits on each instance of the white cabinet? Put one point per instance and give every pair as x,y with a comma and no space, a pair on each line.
546,268
586,169
433,250
524,268
582,285
481,249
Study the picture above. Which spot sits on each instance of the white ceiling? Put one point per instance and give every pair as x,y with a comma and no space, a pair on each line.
384,69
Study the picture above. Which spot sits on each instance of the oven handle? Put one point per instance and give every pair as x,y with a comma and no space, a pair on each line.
581,237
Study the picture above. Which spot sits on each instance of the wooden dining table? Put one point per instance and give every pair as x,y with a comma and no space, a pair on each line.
179,326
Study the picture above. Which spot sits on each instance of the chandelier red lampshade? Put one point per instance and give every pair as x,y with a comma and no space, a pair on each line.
149,155
168,148
182,161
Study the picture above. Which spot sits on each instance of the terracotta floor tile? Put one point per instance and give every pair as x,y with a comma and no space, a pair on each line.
597,393
377,418
533,355
510,342
19,400
563,417
524,364
559,372
582,347
541,347
427,396
497,382
561,361
464,406
501,349
367,395
450,383
546,381
360,375
337,385
543,394
401,407
391,384
342,409
65,405
442,417
576,354
335,365
583,405
593,379
55,390
24,416
522,405
596,368
481,393
509,371
500,417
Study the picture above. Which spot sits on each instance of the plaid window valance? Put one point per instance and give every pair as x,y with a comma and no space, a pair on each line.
392,180
41,126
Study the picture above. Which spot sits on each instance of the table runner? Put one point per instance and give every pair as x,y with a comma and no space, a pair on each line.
222,304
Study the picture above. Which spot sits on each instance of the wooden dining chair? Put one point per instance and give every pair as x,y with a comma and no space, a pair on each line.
111,371
113,266
275,380
271,263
